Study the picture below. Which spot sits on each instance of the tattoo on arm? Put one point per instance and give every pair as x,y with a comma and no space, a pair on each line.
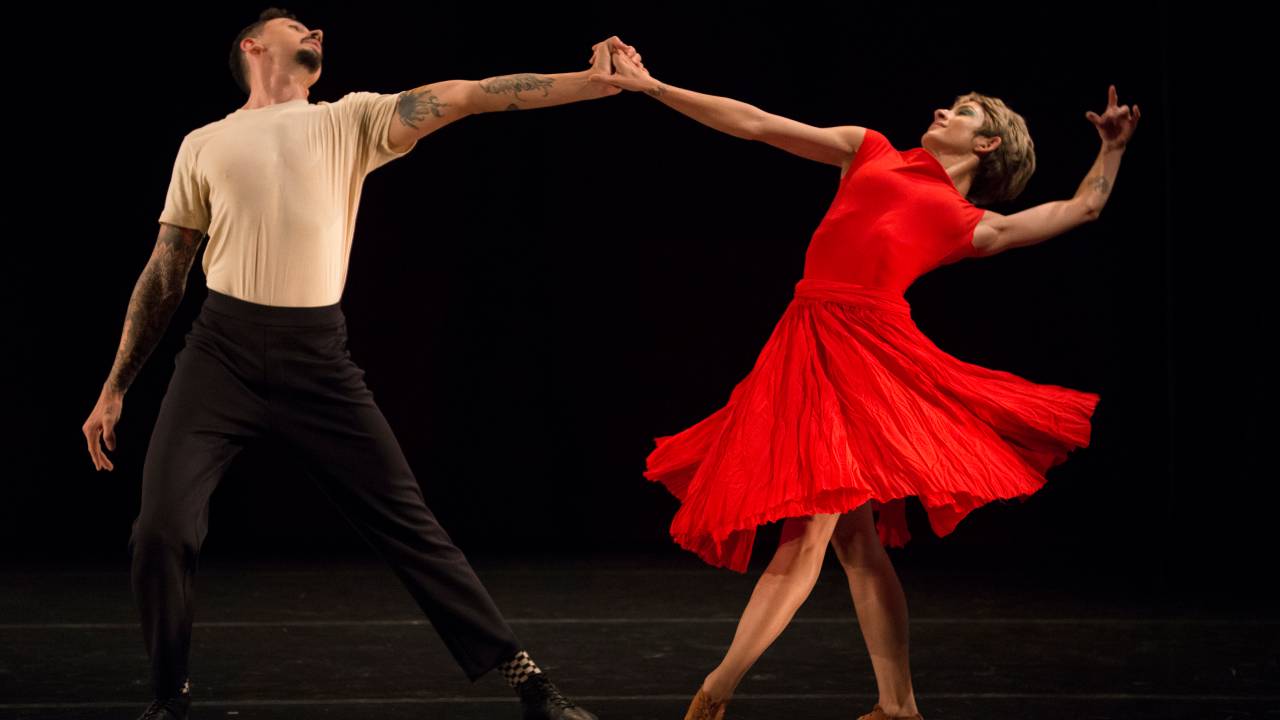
418,106
512,106
658,91
156,296
514,84
1100,184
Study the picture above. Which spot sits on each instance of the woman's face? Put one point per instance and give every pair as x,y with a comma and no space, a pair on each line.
953,129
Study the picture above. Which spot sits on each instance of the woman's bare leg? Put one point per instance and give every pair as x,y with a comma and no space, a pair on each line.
881,607
778,594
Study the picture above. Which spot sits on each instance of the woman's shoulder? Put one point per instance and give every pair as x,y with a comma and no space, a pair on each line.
868,144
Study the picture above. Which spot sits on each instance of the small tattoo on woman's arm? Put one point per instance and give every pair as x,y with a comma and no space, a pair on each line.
658,91
1100,184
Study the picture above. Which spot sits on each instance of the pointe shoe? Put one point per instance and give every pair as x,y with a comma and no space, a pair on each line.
878,713
703,708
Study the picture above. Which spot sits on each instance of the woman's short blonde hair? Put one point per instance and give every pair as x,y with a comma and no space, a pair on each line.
1003,173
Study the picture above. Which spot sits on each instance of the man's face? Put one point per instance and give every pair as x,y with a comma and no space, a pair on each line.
290,40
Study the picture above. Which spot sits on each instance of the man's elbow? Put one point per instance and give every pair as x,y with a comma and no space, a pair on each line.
470,99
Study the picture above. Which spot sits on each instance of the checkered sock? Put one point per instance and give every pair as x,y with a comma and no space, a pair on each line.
518,669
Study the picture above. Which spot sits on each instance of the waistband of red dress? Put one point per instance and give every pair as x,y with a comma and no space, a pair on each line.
851,294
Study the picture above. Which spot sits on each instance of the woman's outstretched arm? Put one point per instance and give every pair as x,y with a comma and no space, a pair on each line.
832,145
997,232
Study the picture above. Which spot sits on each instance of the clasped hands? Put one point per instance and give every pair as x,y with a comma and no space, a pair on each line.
616,66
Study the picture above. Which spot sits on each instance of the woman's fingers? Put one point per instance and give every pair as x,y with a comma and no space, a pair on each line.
616,42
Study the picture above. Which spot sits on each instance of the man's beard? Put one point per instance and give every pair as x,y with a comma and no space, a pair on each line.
308,58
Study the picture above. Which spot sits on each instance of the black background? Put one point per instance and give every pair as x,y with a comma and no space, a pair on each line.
536,295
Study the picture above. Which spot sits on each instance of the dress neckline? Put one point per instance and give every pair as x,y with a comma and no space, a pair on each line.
937,164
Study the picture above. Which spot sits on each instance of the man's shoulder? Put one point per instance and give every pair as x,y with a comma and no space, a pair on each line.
361,98
204,132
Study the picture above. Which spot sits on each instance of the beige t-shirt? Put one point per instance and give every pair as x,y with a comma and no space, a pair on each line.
276,189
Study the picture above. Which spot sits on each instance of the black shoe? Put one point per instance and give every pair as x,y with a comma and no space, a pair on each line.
174,708
542,701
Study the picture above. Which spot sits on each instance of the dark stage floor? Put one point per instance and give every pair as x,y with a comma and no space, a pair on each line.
631,636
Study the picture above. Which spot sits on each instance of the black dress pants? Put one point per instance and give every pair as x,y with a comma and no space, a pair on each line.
250,373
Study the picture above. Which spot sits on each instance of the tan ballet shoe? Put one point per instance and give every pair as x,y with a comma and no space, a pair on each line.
878,713
703,708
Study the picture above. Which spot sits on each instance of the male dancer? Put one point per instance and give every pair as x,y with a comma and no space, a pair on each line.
276,185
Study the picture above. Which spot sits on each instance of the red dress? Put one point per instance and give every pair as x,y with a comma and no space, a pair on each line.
849,401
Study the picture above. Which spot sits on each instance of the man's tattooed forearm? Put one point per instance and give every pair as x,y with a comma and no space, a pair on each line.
1100,184
417,105
515,84
156,296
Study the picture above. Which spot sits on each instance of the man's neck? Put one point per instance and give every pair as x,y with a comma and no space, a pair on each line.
281,89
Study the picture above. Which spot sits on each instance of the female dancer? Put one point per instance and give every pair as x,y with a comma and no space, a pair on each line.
850,409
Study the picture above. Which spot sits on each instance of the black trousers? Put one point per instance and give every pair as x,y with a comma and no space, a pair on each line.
250,373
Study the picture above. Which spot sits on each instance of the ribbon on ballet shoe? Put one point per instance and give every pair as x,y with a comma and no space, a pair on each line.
704,708
878,713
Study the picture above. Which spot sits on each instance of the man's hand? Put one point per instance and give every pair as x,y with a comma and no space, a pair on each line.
101,425
602,63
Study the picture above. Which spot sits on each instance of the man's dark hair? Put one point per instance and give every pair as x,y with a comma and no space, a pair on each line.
239,70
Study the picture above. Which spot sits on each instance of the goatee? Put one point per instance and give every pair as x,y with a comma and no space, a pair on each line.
308,58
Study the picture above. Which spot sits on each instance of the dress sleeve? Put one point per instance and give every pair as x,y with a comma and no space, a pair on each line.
972,216
187,202
366,119
874,145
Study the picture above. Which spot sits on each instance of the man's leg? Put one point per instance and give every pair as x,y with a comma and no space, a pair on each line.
207,416
328,417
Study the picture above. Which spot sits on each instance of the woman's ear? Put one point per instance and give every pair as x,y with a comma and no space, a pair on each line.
987,144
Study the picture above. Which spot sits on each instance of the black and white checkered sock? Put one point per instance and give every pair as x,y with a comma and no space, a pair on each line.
518,669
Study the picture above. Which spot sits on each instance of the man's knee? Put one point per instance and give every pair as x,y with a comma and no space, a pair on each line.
151,534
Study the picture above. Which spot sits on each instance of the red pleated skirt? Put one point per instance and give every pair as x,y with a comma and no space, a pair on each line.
849,402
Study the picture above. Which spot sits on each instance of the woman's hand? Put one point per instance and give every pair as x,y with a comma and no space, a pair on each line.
1116,124
628,73
616,45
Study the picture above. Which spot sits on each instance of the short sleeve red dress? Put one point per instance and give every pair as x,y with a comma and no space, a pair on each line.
849,401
